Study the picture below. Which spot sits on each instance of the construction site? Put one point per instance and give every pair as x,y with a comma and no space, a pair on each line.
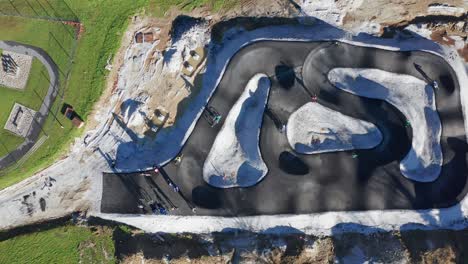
257,131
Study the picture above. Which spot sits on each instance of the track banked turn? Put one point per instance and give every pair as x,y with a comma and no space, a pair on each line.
416,100
337,181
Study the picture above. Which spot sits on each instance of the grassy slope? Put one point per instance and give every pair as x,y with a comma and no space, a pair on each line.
159,7
105,22
66,244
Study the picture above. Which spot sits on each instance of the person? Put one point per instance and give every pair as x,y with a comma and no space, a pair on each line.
407,123
216,120
314,98
283,128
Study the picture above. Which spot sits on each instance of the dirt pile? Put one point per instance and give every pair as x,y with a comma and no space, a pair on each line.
393,12
452,34
448,21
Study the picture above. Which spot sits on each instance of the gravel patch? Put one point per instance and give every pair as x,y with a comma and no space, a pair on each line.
20,120
19,79
314,128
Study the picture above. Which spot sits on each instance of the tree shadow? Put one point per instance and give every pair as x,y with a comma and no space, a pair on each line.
357,243
206,197
159,246
446,82
292,164
125,149
241,240
451,186
274,117
236,243
285,75
248,23
422,239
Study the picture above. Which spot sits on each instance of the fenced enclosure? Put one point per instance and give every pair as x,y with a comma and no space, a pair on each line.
52,26
44,9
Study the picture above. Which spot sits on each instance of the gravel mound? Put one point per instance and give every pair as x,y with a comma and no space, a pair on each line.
235,159
314,128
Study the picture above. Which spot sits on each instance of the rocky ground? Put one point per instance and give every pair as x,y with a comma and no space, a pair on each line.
417,246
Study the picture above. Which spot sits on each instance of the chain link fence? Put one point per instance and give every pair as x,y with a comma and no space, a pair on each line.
62,40
41,9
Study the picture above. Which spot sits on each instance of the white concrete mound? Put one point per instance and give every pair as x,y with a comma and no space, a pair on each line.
314,128
415,99
235,159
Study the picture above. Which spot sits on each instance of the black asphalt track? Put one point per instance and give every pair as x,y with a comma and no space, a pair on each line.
299,183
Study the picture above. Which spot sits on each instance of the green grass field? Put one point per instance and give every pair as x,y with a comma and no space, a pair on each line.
159,7
66,244
57,40
37,8
37,85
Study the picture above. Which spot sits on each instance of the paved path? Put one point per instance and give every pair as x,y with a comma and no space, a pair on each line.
41,115
332,181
